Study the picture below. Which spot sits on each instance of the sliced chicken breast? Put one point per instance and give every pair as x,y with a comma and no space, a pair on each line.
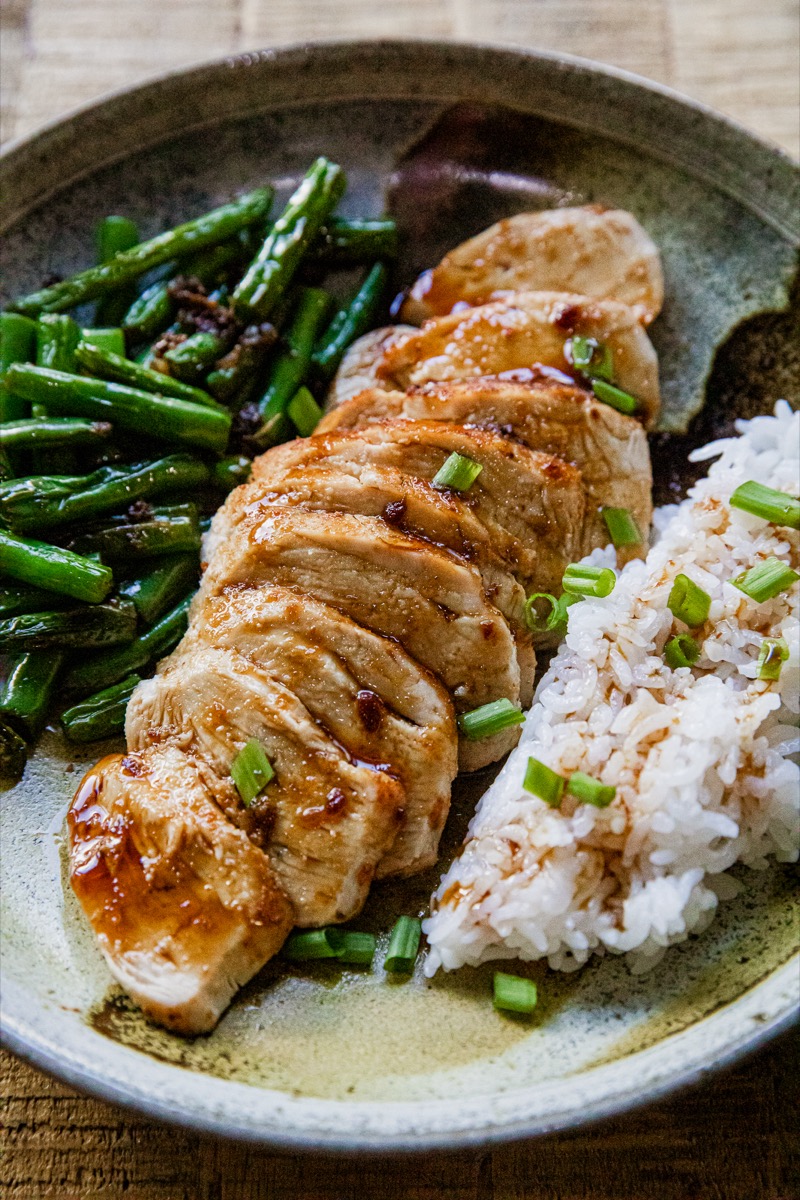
599,252
609,448
524,511
376,701
396,585
185,907
520,331
324,820
361,360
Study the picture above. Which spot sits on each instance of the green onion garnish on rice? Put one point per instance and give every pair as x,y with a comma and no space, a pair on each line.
766,580
512,993
681,651
622,529
251,771
304,411
771,657
490,719
581,580
614,396
403,946
688,602
541,612
313,944
766,502
542,782
592,358
358,948
457,473
589,790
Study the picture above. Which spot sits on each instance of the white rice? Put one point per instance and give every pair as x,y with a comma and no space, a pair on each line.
699,757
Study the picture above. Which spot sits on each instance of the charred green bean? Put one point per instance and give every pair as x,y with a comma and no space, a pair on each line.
217,226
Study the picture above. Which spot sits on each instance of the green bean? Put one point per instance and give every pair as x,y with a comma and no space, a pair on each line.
349,323
28,689
290,367
343,242
103,669
228,473
271,271
53,569
100,716
13,753
57,337
113,235
155,308
213,227
52,431
17,339
117,369
170,530
17,344
158,588
161,417
42,501
16,598
274,430
91,625
107,341
190,359
241,366
149,313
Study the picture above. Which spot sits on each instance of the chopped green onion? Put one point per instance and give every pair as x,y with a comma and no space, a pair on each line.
597,582
681,651
768,503
538,621
304,412
688,602
592,358
314,943
490,719
610,394
766,580
403,946
251,771
512,993
589,790
622,529
544,783
358,948
771,657
458,473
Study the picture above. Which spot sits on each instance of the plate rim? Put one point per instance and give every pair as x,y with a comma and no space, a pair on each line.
407,1142
25,1041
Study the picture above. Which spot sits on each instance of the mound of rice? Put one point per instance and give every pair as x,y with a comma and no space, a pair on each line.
699,756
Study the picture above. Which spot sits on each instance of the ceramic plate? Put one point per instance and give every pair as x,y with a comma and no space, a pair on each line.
450,137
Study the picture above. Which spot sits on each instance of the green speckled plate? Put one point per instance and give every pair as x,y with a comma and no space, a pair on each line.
451,137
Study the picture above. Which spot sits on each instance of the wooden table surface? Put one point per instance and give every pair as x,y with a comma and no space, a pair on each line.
727,1139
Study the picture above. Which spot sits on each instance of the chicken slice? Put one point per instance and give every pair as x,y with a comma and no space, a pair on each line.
357,368
523,514
324,820
520,331
396,585
184,906
599,252
609,448
379,704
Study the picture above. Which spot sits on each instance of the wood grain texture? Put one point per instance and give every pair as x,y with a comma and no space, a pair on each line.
740,56
728,1139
